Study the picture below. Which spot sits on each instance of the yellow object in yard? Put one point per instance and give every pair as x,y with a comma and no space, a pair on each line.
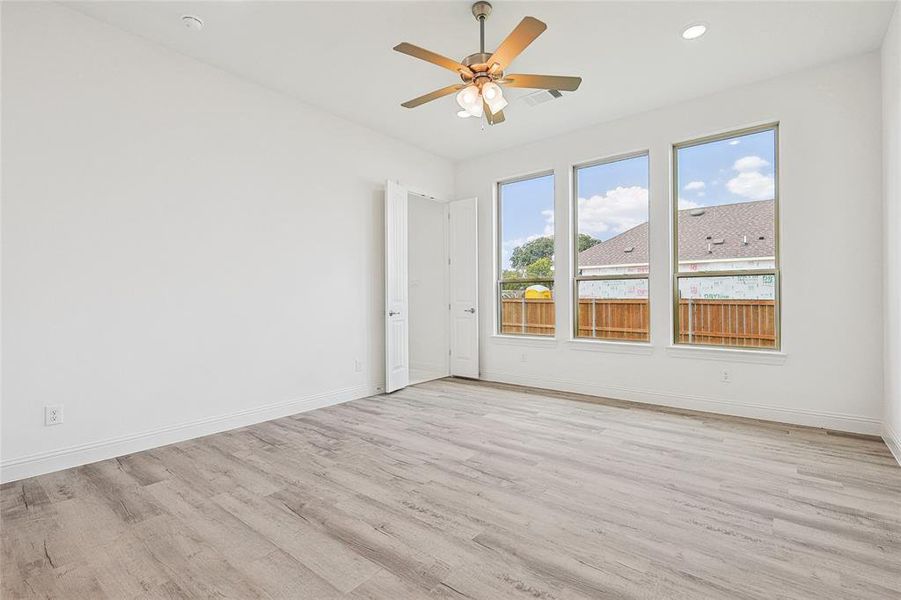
537,291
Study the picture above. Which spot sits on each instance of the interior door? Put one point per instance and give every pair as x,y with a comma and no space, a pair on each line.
397,325
463,251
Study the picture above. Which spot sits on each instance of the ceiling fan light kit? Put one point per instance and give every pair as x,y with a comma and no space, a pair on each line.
482,73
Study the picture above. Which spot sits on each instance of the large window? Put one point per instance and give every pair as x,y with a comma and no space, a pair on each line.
611,250
726,246
526,253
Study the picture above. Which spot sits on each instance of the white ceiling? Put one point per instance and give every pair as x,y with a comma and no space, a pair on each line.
338,55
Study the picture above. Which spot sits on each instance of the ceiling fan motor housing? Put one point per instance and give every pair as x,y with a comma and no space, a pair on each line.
478,64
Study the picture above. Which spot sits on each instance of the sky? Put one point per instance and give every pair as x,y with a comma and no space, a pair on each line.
613,197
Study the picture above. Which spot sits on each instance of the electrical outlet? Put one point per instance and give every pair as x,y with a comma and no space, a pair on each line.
523,357
358,366
53,414
725,377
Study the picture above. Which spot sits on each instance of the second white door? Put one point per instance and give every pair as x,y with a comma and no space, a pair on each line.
463,251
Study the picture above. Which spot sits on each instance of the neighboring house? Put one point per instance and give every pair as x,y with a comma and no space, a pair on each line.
711,238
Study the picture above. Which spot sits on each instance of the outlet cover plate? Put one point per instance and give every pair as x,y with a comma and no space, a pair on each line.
53,414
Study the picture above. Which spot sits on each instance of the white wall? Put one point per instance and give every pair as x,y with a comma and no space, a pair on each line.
428,289
831,218
891,142
183,252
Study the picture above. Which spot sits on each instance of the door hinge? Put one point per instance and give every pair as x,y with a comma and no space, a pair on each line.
448,261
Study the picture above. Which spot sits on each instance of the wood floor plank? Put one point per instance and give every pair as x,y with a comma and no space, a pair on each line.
456,489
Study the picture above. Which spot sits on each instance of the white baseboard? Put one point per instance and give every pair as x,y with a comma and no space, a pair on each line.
811,418
73,456
893,440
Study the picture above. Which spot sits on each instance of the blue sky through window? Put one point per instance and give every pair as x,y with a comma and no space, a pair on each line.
738,169
613,197
526,212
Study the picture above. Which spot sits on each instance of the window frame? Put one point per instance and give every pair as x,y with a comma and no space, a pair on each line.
499,280
574,246
777,232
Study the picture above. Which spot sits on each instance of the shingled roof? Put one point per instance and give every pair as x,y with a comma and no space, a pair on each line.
699,229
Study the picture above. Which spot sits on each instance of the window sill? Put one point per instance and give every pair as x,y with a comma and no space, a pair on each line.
523,340
642,348
762,357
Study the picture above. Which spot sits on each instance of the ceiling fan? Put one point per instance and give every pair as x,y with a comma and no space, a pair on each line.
483,74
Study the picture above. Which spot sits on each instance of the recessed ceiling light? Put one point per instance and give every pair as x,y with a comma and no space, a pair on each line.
693,32
192,22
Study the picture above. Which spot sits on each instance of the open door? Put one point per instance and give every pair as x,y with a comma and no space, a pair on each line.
397,327
463,248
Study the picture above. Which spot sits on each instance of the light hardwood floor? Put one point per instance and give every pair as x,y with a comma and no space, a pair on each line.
456,489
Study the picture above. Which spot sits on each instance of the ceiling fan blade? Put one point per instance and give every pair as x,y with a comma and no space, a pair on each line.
523,35
493,118
432,96
435,59
542,82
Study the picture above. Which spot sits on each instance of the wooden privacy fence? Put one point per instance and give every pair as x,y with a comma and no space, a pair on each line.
529,316
748,323
614,319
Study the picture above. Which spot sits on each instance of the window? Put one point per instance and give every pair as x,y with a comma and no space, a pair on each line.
611,250
726,246
526,253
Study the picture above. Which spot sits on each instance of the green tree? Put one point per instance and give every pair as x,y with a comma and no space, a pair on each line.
586,242
540,269
525,255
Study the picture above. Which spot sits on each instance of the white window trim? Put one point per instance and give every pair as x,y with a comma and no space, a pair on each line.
496,334
676,274
727,354
599,344
616,347
523,340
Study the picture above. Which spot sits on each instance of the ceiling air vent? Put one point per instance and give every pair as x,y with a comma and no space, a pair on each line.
540,97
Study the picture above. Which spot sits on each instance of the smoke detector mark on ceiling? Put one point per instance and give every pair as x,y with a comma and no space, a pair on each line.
191,22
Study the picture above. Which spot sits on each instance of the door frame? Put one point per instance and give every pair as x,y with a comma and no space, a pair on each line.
411,191
445,204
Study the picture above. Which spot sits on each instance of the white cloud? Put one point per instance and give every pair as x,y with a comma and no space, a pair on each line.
614,212
685,204
734,142
754,185
750,182
548,221
694,185
750,163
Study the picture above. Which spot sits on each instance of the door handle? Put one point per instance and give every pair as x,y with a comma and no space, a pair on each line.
471,311
391,313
